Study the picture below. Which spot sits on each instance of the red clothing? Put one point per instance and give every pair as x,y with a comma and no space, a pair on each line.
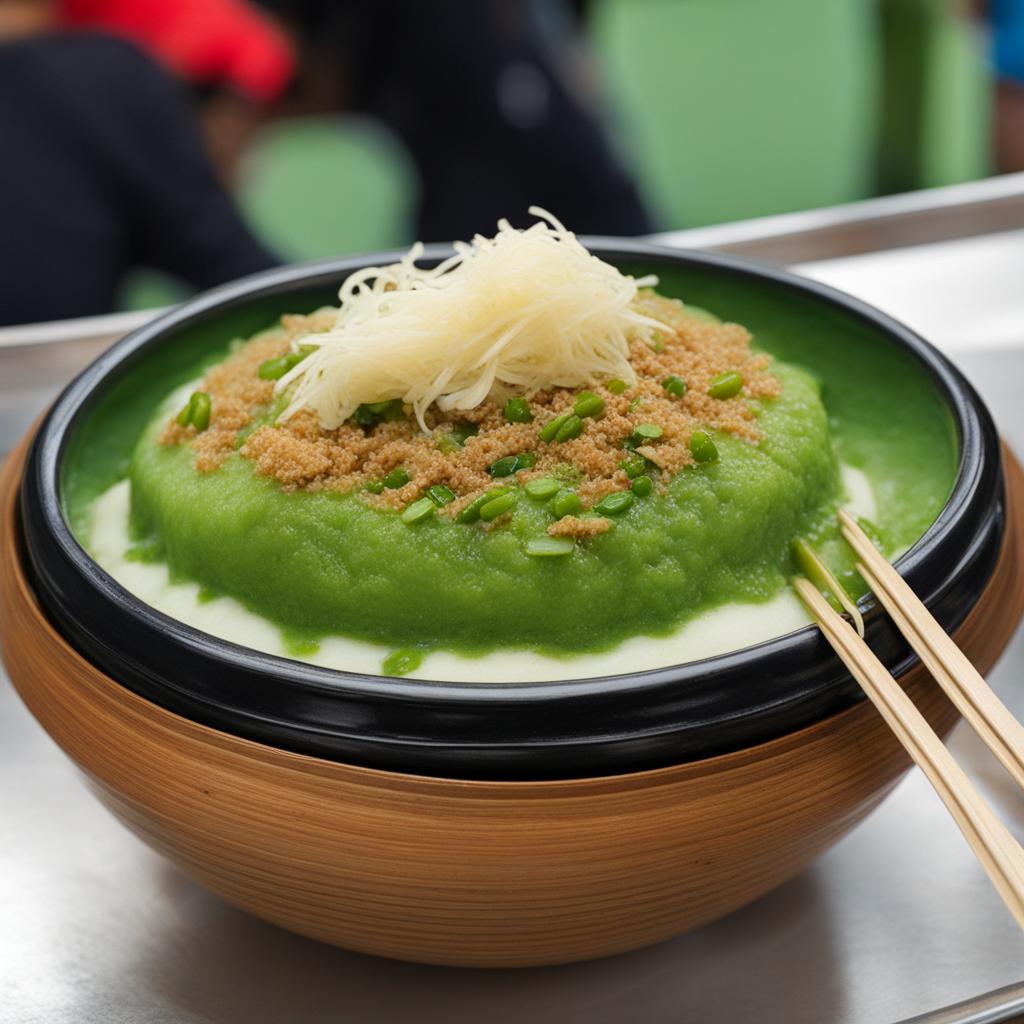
206,42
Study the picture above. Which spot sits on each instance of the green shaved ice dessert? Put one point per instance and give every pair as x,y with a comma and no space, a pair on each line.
324,562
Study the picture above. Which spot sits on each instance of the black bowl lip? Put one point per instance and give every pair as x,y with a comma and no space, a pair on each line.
49,444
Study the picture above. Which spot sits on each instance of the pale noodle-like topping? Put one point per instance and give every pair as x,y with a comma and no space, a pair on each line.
524,310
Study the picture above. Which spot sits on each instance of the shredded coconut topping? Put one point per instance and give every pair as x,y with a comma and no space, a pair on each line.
526,310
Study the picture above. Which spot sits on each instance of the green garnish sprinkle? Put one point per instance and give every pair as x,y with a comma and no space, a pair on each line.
566,503
550,429
372,413
726,385
616,386
402,662
588,404
644,432
702,447
461,432
276,368
201,408
674,385
398,477
614,504
571,428
517,410
634,466
440,495
471,513
497,506
542,488
550,547
391,410
299,645
458,436
419,510
196,411
504,467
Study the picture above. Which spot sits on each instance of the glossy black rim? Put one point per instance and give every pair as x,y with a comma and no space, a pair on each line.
587,727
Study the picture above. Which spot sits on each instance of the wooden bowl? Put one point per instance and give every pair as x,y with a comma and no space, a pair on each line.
461,872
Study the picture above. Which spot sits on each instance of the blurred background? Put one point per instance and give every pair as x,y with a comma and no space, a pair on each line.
153,147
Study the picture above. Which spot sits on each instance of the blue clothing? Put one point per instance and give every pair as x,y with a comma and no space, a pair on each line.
1008,38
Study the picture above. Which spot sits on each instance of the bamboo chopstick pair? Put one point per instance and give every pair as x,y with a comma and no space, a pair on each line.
999,853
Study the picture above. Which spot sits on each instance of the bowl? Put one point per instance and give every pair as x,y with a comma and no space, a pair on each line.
494,825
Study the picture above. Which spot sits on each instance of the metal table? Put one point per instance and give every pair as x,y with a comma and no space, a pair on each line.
897,922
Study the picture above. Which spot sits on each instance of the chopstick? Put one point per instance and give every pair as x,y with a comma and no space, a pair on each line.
996,849
960,680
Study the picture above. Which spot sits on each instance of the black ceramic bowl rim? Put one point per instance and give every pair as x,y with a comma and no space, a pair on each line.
588,727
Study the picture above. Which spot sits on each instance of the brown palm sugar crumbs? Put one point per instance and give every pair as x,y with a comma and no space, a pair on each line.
574,526
298,453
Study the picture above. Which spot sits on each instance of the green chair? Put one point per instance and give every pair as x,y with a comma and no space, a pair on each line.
317,187
742,108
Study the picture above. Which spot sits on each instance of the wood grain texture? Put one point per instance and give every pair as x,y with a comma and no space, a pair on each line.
465,872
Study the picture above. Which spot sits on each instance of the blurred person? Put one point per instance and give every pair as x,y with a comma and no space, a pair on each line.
105,171
237,60
496,101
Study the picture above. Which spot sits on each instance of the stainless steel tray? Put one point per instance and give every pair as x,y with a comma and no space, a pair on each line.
895,924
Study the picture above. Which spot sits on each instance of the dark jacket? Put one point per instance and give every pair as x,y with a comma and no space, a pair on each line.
102,169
